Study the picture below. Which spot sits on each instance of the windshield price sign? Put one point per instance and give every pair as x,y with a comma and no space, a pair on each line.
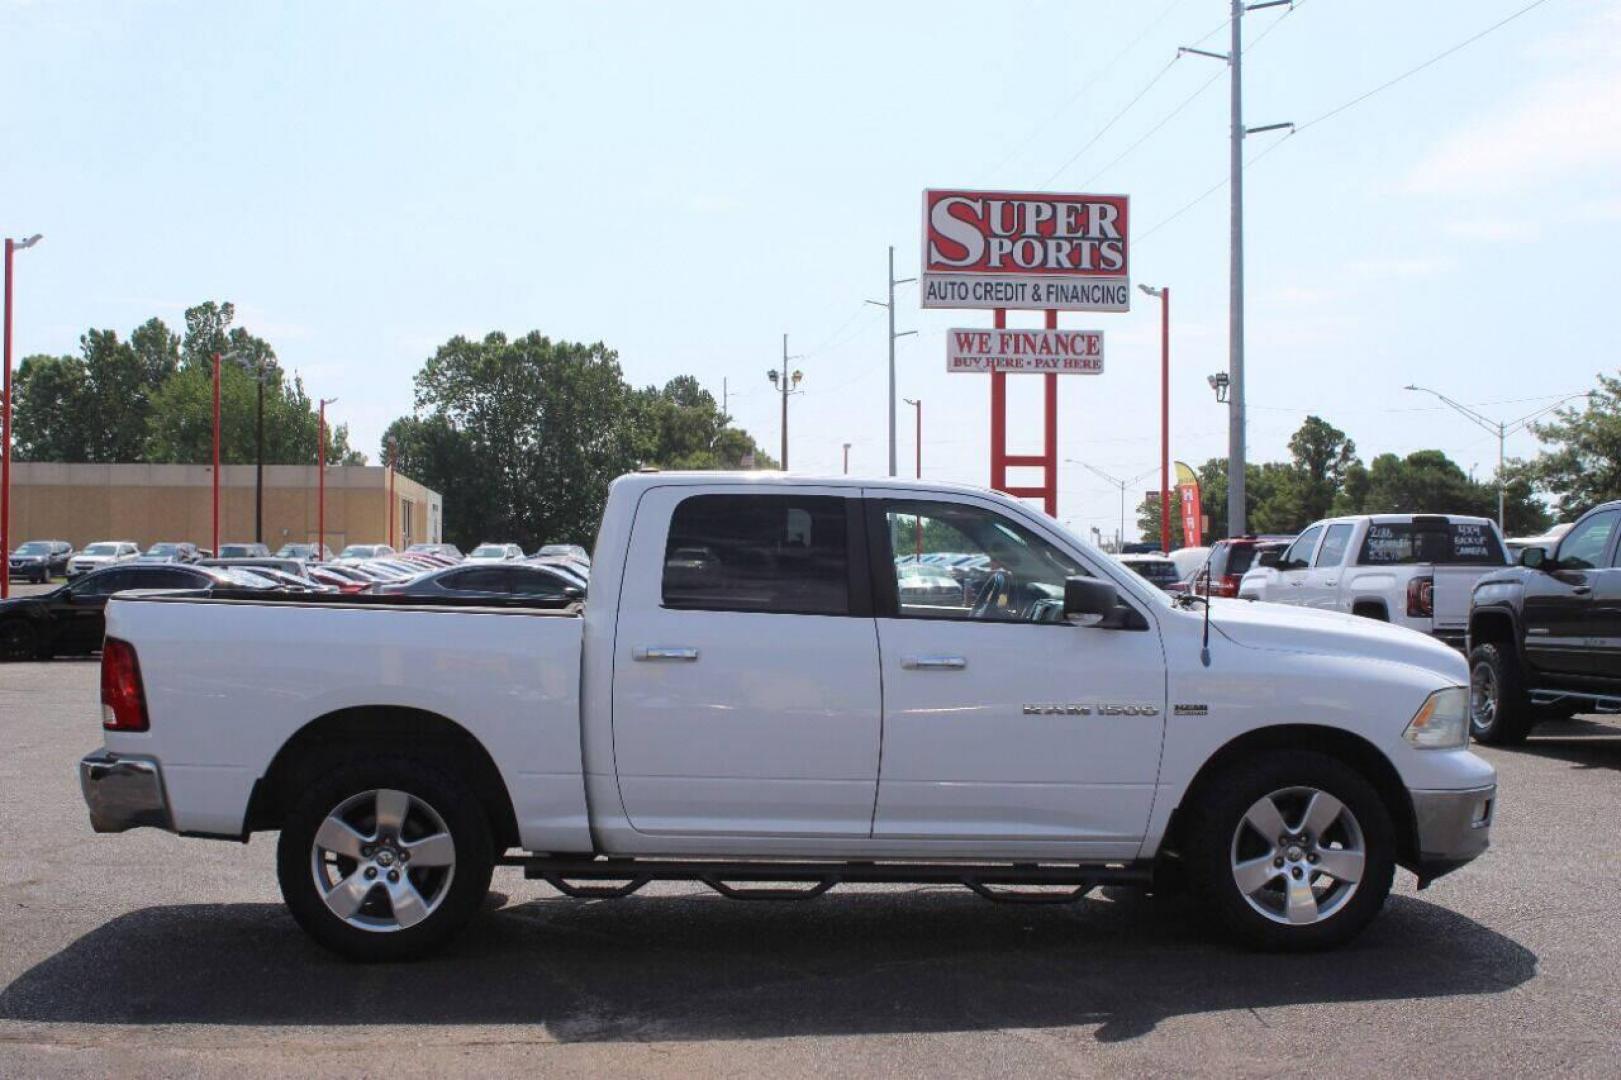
1000,249
1061,352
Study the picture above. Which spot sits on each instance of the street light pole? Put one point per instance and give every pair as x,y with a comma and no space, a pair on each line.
1122,485
890,306
1502,429
846,459
320,481
918,405
216,454
12,247
1164,294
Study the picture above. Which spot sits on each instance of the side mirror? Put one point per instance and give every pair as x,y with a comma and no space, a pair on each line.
1269,558
1535,558
1088,601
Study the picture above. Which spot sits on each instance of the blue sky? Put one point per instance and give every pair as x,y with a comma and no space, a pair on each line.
686,182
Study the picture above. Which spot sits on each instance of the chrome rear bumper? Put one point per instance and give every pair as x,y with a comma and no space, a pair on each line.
123,792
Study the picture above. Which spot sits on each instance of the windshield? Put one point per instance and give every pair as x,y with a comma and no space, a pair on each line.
35,547
1402,543
101,549
356,551
489,551
293,551
163,549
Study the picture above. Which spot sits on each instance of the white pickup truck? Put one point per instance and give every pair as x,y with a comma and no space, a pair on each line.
749,700
1414,570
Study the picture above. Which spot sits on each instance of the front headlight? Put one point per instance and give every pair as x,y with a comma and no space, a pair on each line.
1442,722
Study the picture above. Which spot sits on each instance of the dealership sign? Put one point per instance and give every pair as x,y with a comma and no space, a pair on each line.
999,249
1061,352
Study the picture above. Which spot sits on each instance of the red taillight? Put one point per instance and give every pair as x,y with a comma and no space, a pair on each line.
1227,585
1421,597
123,700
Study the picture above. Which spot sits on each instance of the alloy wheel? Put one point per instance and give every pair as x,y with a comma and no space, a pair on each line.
1482,697
383,860
1298,855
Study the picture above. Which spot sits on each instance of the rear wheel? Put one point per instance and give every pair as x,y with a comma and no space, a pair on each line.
1291,851
18,640
1499,710
384,859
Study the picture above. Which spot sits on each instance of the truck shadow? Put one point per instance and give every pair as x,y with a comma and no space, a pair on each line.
696,967
1586,744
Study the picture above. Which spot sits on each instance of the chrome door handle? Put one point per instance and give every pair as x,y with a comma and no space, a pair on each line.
664,652
934,663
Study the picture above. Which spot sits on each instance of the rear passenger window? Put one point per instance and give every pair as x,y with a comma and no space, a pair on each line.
766,553
1334,545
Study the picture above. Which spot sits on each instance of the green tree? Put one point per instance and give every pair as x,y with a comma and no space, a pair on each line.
682,427
51,409
1582,468
1321,456
1429,482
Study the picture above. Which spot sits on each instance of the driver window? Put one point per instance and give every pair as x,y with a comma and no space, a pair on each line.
1298,557
960,562
1584,547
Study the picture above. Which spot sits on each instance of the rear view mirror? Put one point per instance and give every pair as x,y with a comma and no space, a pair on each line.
1088,601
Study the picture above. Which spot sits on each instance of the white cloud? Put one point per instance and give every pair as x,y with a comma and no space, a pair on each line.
1494,229
1568,122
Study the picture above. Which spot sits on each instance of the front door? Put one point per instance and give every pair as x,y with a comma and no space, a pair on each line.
1002,722
1320,586
1559,603
1289,582
745,692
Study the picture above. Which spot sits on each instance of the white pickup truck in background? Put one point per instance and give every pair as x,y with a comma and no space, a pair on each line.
1413,570
752,695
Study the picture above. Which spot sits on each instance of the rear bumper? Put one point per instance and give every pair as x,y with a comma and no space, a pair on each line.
1454,827
124,791
1456,636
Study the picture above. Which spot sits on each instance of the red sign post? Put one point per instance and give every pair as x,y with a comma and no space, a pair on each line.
1032,251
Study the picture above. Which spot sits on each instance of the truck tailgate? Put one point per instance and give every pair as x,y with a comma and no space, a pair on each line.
228,682
1454,585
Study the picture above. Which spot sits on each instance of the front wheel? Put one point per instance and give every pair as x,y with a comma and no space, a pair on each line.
384,859
18,640
1499,709
1291,851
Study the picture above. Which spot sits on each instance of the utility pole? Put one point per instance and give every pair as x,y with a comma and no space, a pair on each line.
846,459
320,482
1164,294
216,454
890,305
1235,252
788,384
393,457
12,247
259,460
1502,429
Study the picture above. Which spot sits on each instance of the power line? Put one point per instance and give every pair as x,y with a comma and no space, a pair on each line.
1104,130
1153,130
1360,98
1097,77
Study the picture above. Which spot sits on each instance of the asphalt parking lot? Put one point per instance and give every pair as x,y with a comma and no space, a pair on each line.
147,954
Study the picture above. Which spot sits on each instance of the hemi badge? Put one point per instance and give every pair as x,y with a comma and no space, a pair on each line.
1190,710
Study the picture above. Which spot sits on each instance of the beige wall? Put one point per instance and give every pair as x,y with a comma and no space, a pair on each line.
149,503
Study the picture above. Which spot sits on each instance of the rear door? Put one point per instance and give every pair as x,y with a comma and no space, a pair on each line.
746,698
1002,722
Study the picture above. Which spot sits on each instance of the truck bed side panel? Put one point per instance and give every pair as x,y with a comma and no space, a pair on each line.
228,683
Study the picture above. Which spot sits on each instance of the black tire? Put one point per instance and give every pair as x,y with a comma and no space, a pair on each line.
1218,837
1500,711
19,640
452,899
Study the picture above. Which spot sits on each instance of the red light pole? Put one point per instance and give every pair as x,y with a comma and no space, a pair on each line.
320,482
1164,294
12,247
216,454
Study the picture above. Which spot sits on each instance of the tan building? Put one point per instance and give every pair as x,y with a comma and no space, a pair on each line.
151,503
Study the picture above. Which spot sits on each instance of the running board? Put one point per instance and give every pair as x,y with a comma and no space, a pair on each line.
1604,704
1013,883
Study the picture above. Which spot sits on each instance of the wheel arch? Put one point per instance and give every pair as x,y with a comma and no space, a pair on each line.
1495,626
1371,607
419,732
1332,742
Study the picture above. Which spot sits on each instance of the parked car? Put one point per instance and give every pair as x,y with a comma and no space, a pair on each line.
69,619
1545,636
288,573
102,553
1230,559
1414,570
449,551
1547,541
171,552
1156,568
359,552
721,720
243,551
338,578
572,551
516,579
1188,560
495,553
307,552
40,560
